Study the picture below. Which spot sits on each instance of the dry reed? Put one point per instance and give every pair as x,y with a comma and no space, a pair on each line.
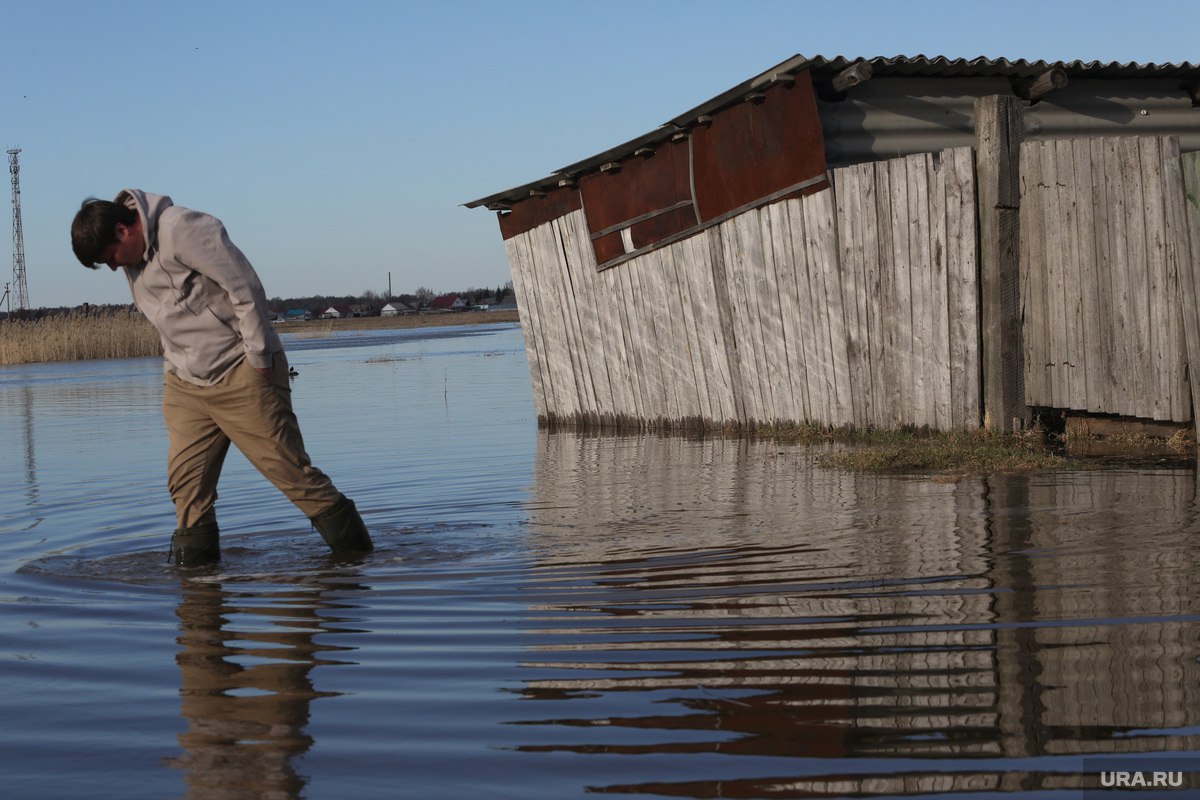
78,336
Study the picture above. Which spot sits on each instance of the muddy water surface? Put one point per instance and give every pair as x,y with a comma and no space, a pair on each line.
554,616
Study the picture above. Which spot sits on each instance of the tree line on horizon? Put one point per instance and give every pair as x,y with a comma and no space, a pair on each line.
421,298
371,299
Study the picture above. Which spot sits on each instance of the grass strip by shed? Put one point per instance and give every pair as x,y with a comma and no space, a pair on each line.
908,451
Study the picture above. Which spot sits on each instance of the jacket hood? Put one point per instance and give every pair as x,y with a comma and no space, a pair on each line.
149,207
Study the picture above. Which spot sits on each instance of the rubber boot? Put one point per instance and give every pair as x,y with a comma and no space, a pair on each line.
343,529
199,544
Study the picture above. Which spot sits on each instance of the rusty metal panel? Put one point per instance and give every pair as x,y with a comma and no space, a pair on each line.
757,148
538,209
642,193
608,247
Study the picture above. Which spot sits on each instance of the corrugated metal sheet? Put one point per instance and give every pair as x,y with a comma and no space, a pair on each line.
925,104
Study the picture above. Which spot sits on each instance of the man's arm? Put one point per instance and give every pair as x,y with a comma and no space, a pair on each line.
200,241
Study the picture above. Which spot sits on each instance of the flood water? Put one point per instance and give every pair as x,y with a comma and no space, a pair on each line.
556,615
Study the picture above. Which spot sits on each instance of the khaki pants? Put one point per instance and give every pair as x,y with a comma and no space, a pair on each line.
256,415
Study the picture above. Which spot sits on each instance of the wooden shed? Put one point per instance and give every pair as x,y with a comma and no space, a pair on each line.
877,242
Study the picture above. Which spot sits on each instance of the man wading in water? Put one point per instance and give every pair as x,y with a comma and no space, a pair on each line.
226,374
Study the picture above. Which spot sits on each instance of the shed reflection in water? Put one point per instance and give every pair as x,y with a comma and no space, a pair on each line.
746,603
245,665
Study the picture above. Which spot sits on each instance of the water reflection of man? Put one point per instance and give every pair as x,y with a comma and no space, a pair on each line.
246,693
226,372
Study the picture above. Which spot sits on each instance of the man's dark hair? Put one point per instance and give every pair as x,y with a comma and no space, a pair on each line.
95,228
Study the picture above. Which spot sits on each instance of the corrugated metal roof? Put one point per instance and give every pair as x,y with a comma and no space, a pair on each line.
1186,74
942,67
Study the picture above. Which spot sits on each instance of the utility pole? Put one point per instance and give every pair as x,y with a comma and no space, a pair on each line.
20,288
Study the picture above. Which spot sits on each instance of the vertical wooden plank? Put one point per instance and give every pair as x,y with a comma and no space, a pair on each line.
917,170
1104,373
552,380
791,367
819,222
1188,219
871,308
888,351
707,301
686,391
1056,316
720,275
1091,354
1141,403
699,297
961,296
1070,203
828,312
628,406
998,132
580,268
745,322
643,271
859,253
970,271
574,343
586,360
738,334
751,273
901,227
561,341
648,345
1156,341
844,186
1033,274
940,256
809,317
1163,336
1116,245
517,250
647,401
775,363
695,368
1176,247
939,323
559,391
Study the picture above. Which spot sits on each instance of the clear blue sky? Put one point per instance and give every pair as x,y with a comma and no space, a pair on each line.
338,140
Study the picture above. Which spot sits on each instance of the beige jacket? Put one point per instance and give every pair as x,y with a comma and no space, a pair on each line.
200,292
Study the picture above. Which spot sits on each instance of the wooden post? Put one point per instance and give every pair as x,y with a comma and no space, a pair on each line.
1189,273
999,128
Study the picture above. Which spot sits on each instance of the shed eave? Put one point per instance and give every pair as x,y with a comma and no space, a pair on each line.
1187,73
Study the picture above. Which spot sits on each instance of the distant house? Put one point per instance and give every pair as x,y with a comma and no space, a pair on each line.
509,303
337,312
297,314
396,308
448,302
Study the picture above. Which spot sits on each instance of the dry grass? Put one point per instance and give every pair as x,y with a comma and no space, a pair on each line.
78,336
929,453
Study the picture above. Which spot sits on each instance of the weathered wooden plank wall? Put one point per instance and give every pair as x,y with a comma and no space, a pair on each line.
1187,217
856,305
1102,247
909,278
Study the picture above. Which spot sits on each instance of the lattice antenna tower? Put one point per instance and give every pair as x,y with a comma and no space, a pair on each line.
20,288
